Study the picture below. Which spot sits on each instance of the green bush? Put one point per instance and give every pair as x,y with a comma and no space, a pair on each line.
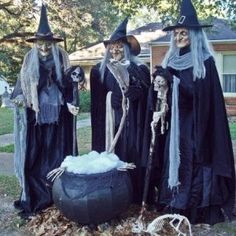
84,101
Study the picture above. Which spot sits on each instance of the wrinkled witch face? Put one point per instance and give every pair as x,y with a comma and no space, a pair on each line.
181,36
159,83
117,50
44,48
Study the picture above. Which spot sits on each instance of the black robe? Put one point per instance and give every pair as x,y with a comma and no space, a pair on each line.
46,144
206,172
129,145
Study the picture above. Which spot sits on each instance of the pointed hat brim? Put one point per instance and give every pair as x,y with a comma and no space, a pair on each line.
188,26
44,37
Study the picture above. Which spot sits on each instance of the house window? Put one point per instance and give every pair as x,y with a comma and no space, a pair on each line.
229,73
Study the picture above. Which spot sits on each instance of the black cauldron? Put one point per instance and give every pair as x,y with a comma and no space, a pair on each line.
92,199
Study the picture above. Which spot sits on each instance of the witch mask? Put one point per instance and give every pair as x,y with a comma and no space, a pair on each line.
117,50
44,48
181,36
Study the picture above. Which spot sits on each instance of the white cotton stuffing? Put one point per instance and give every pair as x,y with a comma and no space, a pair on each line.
92,163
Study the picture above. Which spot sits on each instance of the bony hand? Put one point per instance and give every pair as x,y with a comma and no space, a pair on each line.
73,109
163,72
156,116
19,101
134,92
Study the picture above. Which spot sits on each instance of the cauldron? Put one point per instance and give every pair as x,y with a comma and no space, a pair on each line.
94,198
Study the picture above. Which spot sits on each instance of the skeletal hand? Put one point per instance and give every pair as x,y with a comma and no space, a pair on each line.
73,109
127,166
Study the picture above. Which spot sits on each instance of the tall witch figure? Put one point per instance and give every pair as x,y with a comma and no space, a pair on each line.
119,86
194,163
44,133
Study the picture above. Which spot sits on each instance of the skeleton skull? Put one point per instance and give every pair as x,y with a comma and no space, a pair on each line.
159,83
76,75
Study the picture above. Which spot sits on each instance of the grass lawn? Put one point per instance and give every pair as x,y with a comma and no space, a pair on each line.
84,115
84,140
6,120
7,148
9,185
232,126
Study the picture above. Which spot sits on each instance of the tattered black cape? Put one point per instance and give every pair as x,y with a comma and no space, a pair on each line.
129,145
206,172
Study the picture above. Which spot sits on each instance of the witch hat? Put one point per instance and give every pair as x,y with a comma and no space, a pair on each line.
120,34
188,18
44,32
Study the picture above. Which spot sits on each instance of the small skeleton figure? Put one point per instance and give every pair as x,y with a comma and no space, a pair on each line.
161,86
76,74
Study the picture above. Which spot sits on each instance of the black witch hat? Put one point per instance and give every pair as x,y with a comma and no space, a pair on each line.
120,34
188,18
44,32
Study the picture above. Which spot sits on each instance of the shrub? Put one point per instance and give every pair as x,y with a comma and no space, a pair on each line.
84,101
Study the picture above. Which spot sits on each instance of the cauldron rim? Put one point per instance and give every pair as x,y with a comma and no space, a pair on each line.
114,170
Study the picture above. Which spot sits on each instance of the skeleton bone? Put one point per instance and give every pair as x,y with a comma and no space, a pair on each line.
55,173
127,166
161,86
157,225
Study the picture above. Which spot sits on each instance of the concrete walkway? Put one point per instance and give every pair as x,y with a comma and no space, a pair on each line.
6,164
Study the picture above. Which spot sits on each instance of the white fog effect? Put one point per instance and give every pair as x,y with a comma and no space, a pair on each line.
92,163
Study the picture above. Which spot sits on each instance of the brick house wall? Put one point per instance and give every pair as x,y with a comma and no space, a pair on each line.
158,52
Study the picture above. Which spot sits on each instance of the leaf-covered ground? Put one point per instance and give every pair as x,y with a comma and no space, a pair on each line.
52,223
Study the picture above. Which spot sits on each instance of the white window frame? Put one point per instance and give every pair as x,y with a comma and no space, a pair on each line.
219,64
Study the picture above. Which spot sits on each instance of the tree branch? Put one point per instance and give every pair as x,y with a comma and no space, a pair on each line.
10,37
4,7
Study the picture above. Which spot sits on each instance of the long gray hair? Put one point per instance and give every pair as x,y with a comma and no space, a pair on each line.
127,56
199,46
29,74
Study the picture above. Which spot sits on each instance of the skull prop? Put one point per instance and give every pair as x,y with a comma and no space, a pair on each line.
76,74
160,84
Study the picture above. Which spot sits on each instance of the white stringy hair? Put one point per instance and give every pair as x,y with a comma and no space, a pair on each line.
29,73
199,46
127,56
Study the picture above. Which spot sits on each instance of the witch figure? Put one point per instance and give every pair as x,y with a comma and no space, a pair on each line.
44,131
119,86
193,160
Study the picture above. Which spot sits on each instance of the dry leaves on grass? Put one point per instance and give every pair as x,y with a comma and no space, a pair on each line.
51,222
